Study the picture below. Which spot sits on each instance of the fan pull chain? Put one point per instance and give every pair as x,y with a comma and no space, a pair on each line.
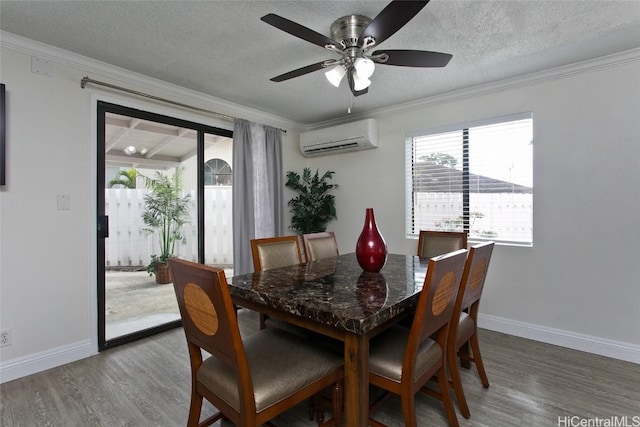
352,103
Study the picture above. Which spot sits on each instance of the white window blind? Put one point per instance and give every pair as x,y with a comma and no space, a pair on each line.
475,177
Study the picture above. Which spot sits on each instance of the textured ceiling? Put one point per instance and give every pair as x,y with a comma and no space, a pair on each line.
222,48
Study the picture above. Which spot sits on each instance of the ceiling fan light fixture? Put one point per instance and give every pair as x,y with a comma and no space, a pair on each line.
335,75
360,83
351,37
364,67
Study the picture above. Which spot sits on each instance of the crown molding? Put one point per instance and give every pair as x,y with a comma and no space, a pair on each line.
557,73
123,77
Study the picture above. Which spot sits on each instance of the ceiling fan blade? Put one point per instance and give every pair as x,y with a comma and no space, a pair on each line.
391,19
352,85
413,58
299,72
298,30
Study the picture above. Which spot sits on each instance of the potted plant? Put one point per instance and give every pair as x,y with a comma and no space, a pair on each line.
313,208
165,212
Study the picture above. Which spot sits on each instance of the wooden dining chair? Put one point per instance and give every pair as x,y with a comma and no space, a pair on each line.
274,252
320,245
402,360
434,243
464,325
251,380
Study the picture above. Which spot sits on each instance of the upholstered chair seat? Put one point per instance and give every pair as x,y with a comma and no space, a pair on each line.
280,364
466,328
250,380
402,361
463,341
278,254
434,243
320,245
388,351
273,252
269,322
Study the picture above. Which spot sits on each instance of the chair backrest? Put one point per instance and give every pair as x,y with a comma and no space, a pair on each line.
435,306
474,275
274,252
320,245
209,321
434,243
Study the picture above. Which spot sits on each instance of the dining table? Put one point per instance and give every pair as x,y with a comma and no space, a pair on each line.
336,298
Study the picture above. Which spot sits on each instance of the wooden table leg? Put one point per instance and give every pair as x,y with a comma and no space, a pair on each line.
356,380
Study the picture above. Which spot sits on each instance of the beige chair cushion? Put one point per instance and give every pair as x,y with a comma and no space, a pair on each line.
387,350
322,248
280,364
438,245
281,254
270,322
332,344
466,328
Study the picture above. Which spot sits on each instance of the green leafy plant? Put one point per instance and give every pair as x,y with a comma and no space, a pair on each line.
313,208
157,261
126,178
165,212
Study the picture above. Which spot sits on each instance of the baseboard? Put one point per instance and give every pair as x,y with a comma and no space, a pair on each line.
18,368
38,362
590,344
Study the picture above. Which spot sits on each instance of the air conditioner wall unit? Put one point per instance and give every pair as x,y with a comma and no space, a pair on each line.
354,136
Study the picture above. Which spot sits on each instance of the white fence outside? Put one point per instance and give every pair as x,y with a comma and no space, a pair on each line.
129,245
509,216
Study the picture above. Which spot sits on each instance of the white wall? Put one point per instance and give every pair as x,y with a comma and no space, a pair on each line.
47,256
579,285
45,253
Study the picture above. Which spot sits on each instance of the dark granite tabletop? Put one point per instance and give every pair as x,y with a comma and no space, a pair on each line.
336,291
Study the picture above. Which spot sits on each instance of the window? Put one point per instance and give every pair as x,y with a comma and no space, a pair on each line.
476,177
217,172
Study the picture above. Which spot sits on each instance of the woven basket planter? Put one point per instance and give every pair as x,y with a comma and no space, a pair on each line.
163,274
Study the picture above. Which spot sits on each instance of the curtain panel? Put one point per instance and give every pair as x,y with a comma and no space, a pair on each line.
257,188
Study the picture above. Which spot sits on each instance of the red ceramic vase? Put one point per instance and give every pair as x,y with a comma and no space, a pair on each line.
371,249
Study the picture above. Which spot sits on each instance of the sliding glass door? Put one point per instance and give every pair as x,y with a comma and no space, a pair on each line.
161,183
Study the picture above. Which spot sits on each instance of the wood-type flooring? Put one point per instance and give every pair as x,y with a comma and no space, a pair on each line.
147,383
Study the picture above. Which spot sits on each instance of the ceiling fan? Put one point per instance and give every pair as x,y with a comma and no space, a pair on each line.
352,37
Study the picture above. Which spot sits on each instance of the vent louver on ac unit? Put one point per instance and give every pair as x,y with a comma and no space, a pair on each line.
354,136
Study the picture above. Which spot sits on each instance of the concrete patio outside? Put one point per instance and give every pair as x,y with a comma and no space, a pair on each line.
134,301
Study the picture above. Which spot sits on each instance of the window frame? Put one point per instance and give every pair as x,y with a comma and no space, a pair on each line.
214,175
463,128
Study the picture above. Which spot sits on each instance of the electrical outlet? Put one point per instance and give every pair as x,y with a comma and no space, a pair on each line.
5,337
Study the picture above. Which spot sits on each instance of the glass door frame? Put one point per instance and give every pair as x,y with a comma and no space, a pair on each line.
102,109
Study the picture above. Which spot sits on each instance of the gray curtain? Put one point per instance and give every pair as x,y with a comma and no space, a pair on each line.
257,188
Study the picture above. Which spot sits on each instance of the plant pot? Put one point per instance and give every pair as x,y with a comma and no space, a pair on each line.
163,274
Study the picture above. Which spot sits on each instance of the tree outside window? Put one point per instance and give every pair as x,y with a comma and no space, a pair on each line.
475,177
